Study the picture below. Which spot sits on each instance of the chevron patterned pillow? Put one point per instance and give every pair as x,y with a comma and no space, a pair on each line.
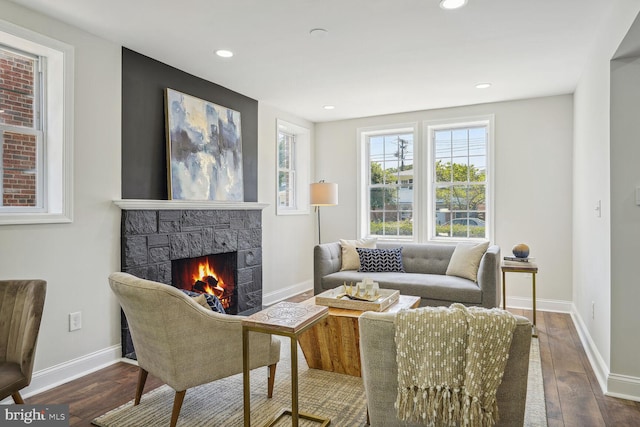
380,259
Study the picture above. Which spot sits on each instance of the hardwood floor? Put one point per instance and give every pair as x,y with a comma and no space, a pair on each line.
573,396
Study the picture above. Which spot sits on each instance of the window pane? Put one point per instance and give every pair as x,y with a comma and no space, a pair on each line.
390,198
442,144
460,169
443,198
377,173
477,169
18,88
443,171
283,154
19,170
477,197
376,198
459,197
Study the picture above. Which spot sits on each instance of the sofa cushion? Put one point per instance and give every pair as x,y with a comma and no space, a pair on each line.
350,258
465,260
380,260
426,286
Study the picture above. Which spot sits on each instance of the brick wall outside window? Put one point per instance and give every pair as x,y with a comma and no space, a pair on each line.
18,149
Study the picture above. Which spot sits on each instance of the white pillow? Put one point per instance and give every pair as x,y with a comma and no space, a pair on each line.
465,260
350,258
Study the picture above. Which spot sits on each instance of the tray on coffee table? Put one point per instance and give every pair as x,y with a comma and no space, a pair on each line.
329,298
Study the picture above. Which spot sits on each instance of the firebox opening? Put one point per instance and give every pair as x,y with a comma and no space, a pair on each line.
212,274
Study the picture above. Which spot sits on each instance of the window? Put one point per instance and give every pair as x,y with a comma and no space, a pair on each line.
20,130
293,150
286,170
389,177
36,92
436,186
459,183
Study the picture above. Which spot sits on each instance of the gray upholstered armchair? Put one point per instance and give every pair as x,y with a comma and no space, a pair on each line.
380,371
21,306
167,326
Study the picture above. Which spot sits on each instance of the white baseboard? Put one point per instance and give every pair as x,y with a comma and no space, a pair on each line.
282,294
526,303
611,384
623,387
54,376
599,366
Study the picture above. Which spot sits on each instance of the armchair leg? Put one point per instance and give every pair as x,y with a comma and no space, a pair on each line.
17,398
177,405
142,379
271,380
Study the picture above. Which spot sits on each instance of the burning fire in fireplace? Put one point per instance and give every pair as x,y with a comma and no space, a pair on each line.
206,280
212,274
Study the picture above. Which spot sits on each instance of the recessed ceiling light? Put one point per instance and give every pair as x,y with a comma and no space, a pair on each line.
483,85
328,107
452,4
223,53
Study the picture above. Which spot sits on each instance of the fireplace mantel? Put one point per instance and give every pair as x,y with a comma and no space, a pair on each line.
142,204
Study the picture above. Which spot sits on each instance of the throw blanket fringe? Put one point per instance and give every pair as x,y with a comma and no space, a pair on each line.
450,364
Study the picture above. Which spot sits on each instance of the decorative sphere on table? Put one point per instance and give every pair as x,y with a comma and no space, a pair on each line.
520,250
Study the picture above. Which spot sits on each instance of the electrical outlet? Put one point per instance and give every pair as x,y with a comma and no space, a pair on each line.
75,321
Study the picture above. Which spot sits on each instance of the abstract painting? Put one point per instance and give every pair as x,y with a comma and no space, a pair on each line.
204,149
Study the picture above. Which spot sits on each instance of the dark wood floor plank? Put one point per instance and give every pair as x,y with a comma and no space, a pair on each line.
579,406
552,397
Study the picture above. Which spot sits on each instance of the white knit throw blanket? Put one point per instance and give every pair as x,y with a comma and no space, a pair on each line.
450,364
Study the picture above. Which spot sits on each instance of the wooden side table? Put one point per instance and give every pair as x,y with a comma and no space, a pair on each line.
290,320
334,343
515,267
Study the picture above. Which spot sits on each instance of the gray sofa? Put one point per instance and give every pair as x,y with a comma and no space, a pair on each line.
380,371
425,265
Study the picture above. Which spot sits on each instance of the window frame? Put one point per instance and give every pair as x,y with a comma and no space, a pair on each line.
56,92
302,170
457,123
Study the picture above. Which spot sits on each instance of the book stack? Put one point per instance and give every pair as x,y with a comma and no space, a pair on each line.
512,260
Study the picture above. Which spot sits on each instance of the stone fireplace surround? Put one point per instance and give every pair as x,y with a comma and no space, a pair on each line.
155,232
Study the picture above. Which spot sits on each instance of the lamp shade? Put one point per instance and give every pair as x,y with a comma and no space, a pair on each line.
324,194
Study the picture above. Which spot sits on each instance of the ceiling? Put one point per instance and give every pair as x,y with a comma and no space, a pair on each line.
377,57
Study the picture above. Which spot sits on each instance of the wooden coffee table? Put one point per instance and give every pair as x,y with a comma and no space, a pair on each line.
333,344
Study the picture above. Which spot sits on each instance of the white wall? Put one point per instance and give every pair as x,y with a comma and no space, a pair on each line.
75,259
593,244
533,158
287,240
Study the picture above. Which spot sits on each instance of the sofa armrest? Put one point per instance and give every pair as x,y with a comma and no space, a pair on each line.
489,277
327,259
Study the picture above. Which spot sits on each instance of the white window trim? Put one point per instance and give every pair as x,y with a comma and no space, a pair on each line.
428,127
57,125
302,169
363,177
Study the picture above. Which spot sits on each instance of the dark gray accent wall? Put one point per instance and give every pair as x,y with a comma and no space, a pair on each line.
144,153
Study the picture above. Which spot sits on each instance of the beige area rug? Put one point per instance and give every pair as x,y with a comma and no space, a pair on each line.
335,396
